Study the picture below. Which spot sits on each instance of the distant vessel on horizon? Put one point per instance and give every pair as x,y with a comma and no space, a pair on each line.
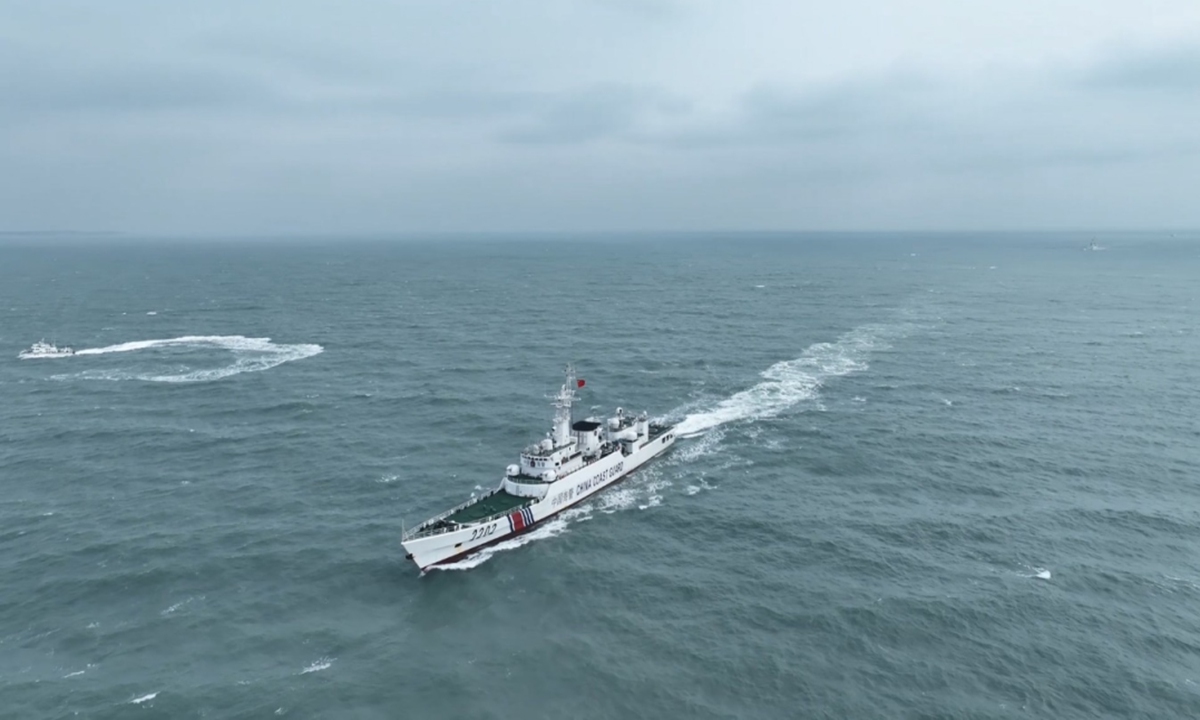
1092,246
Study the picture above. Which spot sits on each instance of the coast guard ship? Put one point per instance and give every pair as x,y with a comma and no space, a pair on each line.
575,461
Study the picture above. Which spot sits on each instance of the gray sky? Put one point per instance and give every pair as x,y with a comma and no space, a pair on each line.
460,115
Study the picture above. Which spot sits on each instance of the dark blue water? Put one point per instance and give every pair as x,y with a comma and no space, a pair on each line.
928,476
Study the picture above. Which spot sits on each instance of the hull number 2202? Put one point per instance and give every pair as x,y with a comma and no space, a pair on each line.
483,531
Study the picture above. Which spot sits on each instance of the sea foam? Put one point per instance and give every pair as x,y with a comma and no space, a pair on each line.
321,664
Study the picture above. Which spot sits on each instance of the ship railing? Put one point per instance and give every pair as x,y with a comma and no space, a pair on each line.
419,532
423,530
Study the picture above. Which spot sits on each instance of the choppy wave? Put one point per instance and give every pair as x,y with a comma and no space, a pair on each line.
171,610
1036,572
321,664
249,355
788,383
706,445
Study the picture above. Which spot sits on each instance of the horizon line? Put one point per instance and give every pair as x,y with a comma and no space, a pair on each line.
416,234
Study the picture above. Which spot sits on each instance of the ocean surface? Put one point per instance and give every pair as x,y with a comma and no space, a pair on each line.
935,476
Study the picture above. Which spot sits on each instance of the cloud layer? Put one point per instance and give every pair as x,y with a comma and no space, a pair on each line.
374,117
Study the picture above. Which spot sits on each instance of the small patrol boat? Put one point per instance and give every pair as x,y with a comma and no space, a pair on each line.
43,349
576,460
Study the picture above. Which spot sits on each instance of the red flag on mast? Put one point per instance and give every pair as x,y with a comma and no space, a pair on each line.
580,383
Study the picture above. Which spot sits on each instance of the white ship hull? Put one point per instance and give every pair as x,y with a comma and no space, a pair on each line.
427,551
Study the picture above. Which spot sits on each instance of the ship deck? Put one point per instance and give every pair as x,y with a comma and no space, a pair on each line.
488,506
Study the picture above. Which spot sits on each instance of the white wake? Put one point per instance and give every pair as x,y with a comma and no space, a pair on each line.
788,383
249,355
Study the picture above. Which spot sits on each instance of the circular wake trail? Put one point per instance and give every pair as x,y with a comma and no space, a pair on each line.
249,355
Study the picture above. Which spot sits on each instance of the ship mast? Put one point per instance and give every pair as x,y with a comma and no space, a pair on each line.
562,405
